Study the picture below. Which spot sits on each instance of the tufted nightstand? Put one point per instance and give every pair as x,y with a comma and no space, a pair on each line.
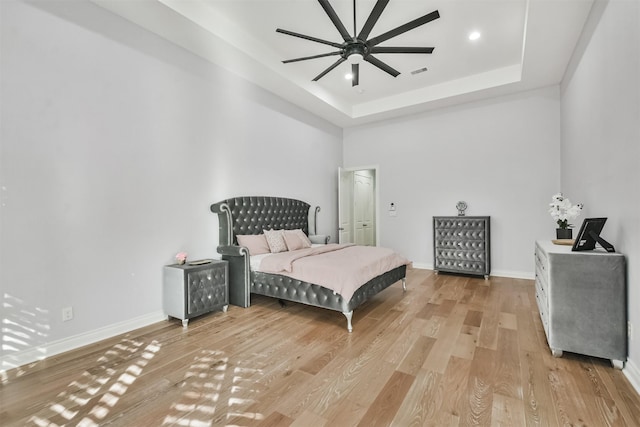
192,290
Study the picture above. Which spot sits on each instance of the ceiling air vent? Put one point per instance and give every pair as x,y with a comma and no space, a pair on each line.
418,71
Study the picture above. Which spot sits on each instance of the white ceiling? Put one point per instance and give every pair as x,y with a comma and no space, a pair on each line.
524,44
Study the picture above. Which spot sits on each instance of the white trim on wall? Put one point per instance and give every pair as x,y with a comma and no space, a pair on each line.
497,273
34,354
632,373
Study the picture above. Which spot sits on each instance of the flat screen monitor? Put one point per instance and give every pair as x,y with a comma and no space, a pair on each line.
589,234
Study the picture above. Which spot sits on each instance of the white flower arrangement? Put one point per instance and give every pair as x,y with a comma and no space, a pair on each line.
562,210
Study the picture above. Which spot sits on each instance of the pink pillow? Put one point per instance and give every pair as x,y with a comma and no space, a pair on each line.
275,240
256,243
296,239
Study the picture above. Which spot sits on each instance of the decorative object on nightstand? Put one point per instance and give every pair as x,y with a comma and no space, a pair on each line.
562,211
461,206
193,289
582,299
181,257
462,244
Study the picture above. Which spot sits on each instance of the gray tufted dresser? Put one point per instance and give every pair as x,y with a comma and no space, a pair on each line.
192,290
462,244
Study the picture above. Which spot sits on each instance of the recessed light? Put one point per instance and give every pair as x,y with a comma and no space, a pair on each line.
474,35
348,76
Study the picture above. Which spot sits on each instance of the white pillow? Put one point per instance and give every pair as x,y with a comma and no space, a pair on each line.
296,239
256,243
275,240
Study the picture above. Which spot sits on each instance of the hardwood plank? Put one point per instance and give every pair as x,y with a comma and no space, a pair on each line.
386,405
276,419
398,350
416,356
442,349
346,413
454,390
507,321
477,408
373,379
491,312
527,339
308,418
473,318
422,402
507,377
538,402
507,411
621,392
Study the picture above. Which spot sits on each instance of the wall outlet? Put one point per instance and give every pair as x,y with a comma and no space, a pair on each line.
67,314
630,330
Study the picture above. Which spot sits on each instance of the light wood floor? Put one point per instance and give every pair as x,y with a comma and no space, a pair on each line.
452,350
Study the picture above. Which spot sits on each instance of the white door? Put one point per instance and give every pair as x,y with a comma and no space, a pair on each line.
345,202
363,208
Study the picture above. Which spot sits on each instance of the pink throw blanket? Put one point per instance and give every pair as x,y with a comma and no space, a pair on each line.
341,268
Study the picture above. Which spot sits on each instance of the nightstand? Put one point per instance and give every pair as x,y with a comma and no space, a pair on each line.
193,290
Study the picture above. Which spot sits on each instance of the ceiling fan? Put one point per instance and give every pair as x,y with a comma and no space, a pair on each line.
360,44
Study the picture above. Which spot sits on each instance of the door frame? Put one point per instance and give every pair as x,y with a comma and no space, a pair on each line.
376,189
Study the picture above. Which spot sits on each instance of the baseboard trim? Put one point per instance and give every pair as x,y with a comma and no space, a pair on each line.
34,354
498,273
422,266
513,274
632,373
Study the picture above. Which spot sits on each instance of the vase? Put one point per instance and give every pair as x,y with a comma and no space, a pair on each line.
564,233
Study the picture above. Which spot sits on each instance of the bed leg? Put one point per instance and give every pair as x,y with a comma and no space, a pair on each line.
404,284
348,315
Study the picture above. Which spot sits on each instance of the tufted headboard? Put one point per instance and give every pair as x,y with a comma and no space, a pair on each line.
253,215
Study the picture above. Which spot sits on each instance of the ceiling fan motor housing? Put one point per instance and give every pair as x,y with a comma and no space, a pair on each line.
356,47
360,44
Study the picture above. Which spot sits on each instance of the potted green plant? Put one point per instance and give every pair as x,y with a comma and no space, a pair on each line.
562,210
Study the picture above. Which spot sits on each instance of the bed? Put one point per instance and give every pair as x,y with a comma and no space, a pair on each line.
241,216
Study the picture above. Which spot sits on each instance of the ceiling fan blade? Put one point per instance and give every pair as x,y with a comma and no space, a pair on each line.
334,65
381,49
384,67
355,73
322,55
372,19
404,28
336,21
310,38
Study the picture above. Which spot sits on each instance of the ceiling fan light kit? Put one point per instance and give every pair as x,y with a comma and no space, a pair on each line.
359,47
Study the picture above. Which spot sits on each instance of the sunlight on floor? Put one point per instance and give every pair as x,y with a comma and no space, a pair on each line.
214,393
77,400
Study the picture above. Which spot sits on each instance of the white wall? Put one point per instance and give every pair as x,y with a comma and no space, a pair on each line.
601,138
501,156
114,143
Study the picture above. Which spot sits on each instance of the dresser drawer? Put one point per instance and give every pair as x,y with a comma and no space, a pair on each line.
206,289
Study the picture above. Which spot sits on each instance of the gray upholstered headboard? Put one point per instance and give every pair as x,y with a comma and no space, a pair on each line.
253,215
